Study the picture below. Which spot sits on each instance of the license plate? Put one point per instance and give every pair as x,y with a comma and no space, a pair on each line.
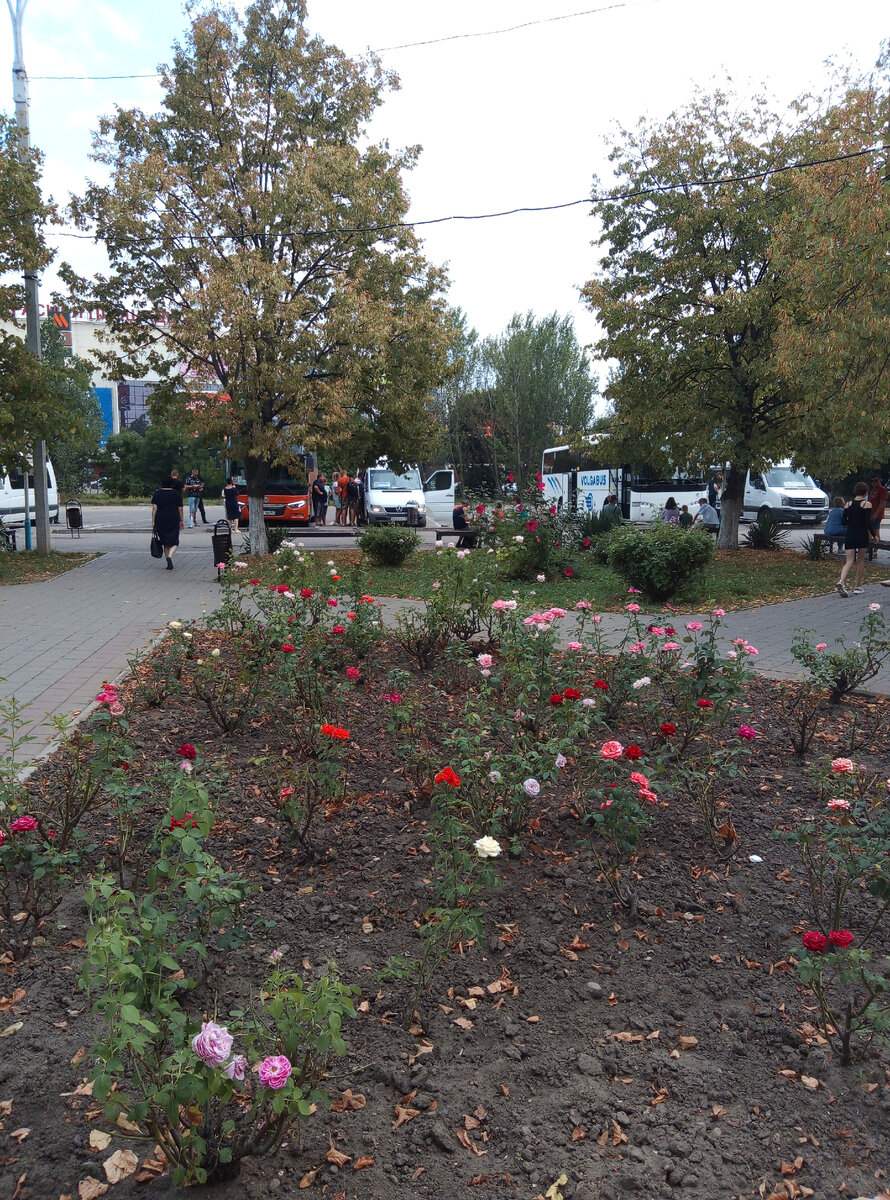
269,512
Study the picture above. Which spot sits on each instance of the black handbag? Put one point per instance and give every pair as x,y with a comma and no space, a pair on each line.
157,550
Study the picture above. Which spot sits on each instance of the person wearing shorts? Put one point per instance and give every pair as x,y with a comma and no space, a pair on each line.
856,519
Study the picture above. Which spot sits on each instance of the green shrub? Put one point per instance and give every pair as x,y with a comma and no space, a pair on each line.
816,548
766,533
659,560
386,545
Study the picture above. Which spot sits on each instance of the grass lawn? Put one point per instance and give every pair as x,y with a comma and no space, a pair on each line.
101,500
27,566
741,579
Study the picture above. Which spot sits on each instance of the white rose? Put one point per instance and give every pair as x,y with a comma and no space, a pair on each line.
187,636
215,653
532,787
487,847
175,625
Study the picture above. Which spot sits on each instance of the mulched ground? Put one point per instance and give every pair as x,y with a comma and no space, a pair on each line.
568,1060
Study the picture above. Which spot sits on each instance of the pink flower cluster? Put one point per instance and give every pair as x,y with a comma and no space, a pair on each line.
213,1045
109,696
504,605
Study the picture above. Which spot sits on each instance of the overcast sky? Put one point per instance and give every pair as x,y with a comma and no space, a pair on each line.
520,118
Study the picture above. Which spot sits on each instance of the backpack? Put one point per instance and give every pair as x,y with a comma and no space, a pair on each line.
353,490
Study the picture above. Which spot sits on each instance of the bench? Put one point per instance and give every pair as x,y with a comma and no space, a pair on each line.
829,540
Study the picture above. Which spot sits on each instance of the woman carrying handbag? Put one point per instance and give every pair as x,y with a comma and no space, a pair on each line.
166,519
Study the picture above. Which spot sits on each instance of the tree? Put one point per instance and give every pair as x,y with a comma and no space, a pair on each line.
261,240
73,445
134,464
691,295
832,245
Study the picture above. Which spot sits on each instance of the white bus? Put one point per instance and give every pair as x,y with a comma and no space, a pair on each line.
576,482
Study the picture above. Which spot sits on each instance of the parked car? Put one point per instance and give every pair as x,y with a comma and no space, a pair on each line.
12,496
788,495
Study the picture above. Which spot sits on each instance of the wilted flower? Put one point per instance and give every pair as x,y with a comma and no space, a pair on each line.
494,777
541,578
236,1068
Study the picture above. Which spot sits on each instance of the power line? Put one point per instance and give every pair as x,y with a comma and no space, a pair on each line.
636,194
452,37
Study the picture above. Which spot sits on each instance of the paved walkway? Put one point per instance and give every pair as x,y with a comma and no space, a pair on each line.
59,640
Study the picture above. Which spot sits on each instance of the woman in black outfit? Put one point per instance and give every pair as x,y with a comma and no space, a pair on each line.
856,522
166,517
233,508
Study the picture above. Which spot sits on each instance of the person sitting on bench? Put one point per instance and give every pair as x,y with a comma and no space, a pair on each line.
834,531
467,539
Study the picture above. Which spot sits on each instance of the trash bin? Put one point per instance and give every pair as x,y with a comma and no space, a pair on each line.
411,514
221,539
74,516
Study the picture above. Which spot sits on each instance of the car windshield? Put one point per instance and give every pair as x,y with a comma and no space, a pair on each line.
784,477
389,481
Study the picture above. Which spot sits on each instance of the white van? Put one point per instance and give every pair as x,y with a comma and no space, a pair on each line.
390,495
12,496
441,491
791,496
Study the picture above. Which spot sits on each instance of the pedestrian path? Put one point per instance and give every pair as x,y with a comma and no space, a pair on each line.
61,639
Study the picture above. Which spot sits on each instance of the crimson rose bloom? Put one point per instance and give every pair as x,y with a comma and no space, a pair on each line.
705,704
187,751
601,684
254,581
668,729
556,699
282,588
815,941
287,648
841,937
633,752
568,572
448,776
306,593
572,694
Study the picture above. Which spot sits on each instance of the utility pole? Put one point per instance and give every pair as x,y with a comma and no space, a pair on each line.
32,311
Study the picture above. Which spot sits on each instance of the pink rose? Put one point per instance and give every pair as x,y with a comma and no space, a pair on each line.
822,646
671,646
843,805
116,709
584,605
236,1068
719,613
484,660
751,650
694,626
274,1072
634,608
639,778
612,750
574,646
23,825
746,732
842,766
213,1044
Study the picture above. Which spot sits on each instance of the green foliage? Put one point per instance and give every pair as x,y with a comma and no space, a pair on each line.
659,560
387,545
816,548
23,217
838,672
134,464
766,533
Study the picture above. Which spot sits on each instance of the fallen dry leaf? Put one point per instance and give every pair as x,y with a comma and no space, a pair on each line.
578,1134
335,1156
404,1115
464,1023
533,1020
90,1188
20,1183
120,1165
349,1101
553,1192
6,1002
809,1082
309,1178
361,1163
687,1043
11,1029
5,1108
468,1144
99,1139
418,1172
791,1168
78,1056
19,1135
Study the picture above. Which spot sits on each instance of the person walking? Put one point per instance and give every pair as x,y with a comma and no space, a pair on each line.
320,500
233,507
856,519
193,489
877,498
166,517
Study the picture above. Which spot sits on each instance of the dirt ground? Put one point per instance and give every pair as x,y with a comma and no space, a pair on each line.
672,1055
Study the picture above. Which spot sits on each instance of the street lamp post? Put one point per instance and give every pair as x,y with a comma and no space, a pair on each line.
32,312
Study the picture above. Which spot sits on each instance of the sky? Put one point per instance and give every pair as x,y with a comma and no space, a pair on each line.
521,118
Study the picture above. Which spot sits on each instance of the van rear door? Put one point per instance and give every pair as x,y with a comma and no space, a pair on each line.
439,494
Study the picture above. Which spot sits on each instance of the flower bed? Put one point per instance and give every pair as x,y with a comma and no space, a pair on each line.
578,903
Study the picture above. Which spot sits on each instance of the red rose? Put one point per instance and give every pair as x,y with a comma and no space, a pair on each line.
282,588
125,766
448,776
568,572
334,731
305,593
601,684
480,509
572,694
254,581
510,477
187,751
670,629
815,941
668,729
633,752
556,699
338,629
841,937
705,704
586,543
287,648
531,526
332,602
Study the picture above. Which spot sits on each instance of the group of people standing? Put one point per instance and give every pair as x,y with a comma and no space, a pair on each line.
346,493
858,523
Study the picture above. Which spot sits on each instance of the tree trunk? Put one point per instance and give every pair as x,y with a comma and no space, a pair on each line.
731,503
256,472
